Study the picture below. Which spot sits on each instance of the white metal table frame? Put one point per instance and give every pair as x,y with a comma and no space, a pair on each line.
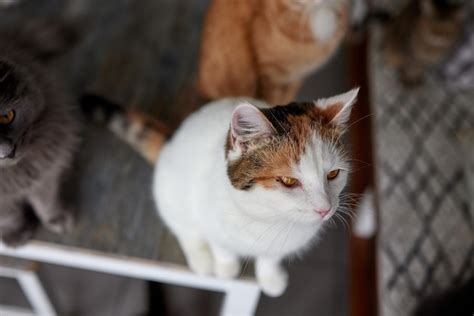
241,295
33,290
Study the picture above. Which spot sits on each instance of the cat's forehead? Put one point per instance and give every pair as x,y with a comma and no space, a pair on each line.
318,157
300,122
301,128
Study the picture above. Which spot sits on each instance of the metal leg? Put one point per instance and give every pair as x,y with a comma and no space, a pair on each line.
35,294
240,300
24,273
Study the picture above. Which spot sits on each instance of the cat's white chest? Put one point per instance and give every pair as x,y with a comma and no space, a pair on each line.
225,223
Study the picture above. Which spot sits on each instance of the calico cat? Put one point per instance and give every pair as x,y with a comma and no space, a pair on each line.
241,179
38,133
265,48
422,36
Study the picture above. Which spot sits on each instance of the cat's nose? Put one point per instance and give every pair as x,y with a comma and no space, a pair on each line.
323,212
7,150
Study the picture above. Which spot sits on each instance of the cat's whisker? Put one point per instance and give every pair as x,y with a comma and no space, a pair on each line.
352,171
349,205
350,199
343,220
346,207
359,120
344,223
359,161
351,216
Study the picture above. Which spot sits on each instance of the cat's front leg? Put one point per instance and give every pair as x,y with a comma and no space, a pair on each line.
226,263
197,253
15,227
50,209
271,276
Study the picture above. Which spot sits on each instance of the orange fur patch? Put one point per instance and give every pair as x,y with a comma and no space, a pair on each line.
265,160
146,135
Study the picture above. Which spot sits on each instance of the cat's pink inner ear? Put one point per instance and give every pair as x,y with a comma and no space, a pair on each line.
331,111
337,109
248,122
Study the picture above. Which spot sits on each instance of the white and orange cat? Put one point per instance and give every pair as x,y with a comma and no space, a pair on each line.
241,179
265,48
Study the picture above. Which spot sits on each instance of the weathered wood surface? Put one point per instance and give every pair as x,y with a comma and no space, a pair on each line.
137,53
17,264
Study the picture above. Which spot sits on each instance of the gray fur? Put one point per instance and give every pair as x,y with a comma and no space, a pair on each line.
45,133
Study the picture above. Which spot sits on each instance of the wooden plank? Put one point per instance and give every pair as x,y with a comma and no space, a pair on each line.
363,297
110,187
17,264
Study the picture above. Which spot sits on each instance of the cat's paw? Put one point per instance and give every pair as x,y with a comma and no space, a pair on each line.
200,261
18,237
228,269
61,223
273,284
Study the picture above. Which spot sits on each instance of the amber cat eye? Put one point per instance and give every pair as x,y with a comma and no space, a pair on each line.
7,117
288,181
333,174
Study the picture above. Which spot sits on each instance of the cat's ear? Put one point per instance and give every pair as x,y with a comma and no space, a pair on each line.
337,109
249,123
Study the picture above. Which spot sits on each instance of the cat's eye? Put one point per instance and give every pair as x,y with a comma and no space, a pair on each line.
288,181
7,117
333,174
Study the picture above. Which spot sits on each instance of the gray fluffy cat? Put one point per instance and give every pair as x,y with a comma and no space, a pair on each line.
38,133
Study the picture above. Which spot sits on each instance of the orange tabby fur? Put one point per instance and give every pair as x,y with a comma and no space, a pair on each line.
261,48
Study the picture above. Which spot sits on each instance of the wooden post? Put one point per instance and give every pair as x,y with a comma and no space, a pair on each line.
363,294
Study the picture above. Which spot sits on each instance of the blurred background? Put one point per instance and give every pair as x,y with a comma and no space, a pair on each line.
411,140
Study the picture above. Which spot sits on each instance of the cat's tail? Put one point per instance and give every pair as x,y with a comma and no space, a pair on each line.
143,133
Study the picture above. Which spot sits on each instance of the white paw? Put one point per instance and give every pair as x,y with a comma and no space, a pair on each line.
227,269
200,261
274,284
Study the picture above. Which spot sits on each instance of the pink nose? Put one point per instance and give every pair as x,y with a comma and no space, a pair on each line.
322,212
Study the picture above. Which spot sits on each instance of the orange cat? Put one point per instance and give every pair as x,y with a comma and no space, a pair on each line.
265,48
